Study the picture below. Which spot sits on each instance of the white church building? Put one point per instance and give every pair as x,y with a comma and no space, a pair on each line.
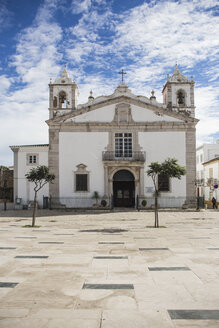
106,145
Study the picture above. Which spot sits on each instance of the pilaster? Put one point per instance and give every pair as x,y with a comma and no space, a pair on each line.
54,161
192,93
141,193
50,96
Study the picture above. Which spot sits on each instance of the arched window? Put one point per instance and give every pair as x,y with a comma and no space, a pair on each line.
62,100
181,98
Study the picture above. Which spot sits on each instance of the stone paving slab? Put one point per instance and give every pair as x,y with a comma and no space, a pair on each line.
175,268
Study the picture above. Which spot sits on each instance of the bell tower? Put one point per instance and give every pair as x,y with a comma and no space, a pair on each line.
63,95
178,93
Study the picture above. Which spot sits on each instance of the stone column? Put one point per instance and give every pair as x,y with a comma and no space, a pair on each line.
191,166
54,161
141,194
110,183
106,184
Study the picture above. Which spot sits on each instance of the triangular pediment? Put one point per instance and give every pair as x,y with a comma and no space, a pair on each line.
102,109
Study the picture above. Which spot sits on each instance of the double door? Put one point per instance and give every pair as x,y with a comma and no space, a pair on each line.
124,193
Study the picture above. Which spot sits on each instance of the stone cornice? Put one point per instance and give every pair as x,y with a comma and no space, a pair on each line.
134,101
177,83
106,127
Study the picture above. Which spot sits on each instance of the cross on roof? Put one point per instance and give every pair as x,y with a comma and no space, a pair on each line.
123,73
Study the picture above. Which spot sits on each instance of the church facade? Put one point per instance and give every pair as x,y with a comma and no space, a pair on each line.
106,145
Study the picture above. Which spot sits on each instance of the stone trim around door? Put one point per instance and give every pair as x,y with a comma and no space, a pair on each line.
135,168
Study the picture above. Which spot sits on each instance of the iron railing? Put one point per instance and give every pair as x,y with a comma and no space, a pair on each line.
136,156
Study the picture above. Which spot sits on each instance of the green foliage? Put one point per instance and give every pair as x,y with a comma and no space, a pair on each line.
95,195
169,168
4,168
103,202
172,169
144,203
40,176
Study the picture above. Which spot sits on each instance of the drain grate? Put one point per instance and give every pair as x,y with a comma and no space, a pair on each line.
153,249
8,284
111,243
104,230
169,269
31,257
7,247
110,257
194,314
108,286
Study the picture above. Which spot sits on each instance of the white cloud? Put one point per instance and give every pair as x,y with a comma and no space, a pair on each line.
4,84
78,7
24,109
207,112
5,17
170,31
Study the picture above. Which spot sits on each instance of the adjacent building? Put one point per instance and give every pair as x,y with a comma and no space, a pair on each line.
206,170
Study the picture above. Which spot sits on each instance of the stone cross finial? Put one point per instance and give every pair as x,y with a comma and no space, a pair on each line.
123,73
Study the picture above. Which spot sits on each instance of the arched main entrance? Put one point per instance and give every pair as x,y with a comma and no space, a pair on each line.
124,189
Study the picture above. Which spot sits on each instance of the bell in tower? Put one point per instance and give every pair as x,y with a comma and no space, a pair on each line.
63,95
178,93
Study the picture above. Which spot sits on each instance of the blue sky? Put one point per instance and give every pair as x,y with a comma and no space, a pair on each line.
96,39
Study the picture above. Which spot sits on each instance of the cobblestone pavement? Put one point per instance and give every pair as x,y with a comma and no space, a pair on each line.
109,270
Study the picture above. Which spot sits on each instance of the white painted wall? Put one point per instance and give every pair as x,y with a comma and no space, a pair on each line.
81,148
140,114
159,146
106,114
25,188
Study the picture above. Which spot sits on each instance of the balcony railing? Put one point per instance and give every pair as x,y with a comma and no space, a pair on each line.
134,156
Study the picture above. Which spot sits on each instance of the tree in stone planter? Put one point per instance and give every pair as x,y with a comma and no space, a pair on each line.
96,196
40,176
169,168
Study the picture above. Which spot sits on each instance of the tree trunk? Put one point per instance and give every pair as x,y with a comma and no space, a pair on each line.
34,209
156,224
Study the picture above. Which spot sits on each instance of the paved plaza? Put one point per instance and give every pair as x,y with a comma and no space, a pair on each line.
109,270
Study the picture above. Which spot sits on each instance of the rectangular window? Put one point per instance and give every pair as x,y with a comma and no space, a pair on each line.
32,159
123,145
163,183
81,182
